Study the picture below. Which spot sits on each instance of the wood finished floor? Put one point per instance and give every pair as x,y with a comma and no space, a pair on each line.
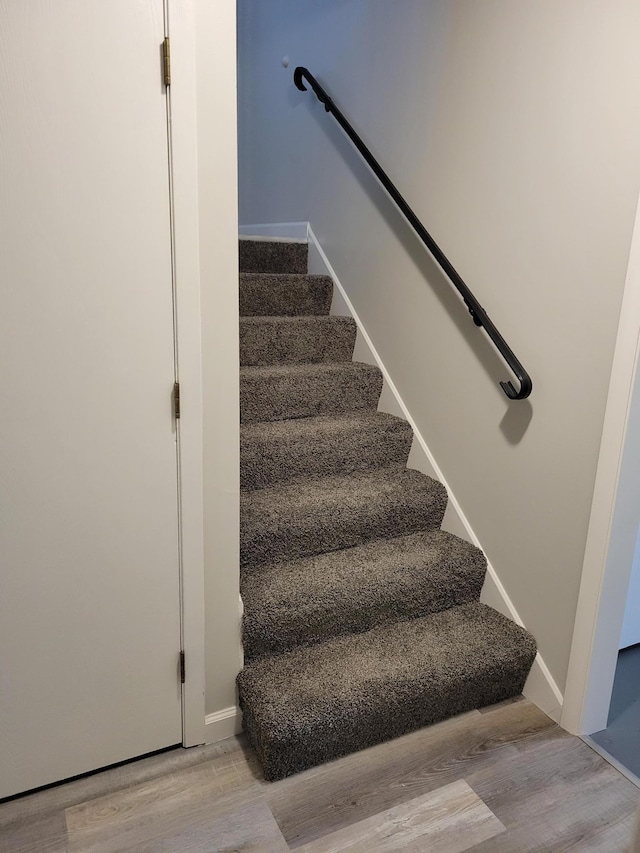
505,779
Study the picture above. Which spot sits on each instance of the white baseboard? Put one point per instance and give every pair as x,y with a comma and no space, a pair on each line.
222,724
294,231
540,688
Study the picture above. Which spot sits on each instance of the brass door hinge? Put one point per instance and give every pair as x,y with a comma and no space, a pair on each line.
176,400
166,61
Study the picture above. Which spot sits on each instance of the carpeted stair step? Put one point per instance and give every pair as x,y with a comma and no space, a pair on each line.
319,702
295,340
279,451
273,256
278,392
267,294
314,516
312,599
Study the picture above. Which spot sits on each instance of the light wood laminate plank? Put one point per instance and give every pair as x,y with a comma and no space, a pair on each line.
451,819
559,799
359,786
113,779
164,806
534,767
549,790
248,829
511,701
46,834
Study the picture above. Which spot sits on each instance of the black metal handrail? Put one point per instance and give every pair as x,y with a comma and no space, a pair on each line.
479,315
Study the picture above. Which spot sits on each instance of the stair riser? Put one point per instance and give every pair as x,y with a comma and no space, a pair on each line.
284,295
287,396
306,340
274,257
265,463
299,532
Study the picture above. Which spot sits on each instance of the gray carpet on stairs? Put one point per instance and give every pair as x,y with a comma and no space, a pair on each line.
318,702
279,392
315,598
273,256
310,517
361,616
295,340
264,295
278,451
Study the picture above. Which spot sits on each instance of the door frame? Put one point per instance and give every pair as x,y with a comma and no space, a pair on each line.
181,94
613,526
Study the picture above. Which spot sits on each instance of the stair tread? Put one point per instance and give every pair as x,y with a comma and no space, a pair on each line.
280,451
321,425
284,294
318,702
282,391
297,320
320,369
311,599
315,516
272,278
294,340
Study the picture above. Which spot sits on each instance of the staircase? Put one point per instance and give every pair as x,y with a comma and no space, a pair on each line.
362,618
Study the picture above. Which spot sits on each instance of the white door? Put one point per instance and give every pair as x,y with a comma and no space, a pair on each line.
89,575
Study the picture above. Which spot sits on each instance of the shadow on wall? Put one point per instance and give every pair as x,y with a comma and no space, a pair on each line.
519,415
516,421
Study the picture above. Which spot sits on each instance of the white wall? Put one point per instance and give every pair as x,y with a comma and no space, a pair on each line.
216,105
513,130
